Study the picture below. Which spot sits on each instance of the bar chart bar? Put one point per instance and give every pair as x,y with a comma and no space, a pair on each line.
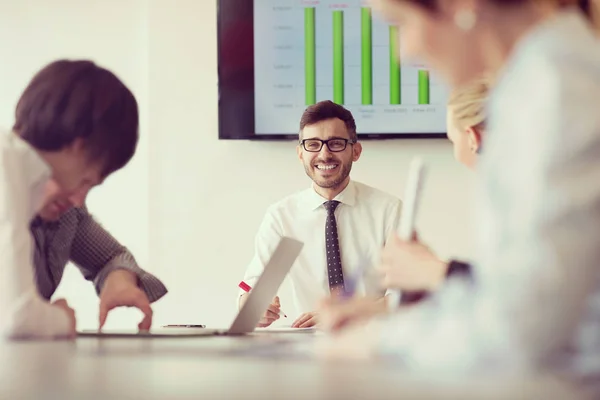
338,57
366,56
395,97
423,87
310,68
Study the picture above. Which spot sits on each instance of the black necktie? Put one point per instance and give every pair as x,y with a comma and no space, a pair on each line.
334,261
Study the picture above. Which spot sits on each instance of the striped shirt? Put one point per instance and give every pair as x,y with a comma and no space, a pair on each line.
77,237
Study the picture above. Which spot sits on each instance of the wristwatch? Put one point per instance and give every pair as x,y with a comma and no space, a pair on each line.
460,269
455,269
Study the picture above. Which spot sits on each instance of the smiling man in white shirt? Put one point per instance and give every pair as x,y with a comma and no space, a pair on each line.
76,123
344,224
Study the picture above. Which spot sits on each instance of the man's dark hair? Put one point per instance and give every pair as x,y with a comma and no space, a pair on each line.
68,100
325,110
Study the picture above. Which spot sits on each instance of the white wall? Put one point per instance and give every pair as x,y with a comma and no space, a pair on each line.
189,205
114,34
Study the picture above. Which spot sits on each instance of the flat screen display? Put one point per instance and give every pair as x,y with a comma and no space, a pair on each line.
277,57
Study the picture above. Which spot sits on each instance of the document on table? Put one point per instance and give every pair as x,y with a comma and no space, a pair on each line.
282,329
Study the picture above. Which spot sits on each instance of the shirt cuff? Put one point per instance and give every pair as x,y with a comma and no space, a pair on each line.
150,284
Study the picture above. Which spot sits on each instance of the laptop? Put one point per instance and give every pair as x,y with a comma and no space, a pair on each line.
259,298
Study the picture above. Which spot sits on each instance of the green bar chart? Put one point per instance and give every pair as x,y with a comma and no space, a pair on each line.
310,65
338,56
395,77
423,87
306,51
366,52
366,60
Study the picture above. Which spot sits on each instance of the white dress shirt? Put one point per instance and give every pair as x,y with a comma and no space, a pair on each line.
365,218
536,299
23,313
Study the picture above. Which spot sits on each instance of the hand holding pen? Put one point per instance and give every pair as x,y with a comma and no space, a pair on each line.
273,312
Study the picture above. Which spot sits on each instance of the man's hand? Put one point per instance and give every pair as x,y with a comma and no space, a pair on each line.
410,266
121,290
306,320
270,316
62,304
336,314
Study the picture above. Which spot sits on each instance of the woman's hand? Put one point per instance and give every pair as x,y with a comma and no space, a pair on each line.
411,266
336,314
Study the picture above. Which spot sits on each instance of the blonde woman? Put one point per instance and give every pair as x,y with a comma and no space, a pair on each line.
466,120
535,305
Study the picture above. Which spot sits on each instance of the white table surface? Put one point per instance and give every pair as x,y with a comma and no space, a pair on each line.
226,368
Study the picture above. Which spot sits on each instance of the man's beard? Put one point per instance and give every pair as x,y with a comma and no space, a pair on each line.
333,182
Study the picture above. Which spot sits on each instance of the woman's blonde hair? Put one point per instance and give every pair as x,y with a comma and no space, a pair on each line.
467,104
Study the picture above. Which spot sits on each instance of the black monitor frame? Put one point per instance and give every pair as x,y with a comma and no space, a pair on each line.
236,71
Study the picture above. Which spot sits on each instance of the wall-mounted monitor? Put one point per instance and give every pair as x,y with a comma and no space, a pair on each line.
276,57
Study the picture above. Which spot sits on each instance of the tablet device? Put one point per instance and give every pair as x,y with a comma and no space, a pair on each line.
410,207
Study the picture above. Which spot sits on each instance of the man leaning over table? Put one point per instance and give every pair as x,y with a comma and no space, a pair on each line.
343,223
75,124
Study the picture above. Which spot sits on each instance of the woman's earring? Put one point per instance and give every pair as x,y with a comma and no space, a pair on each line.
465,20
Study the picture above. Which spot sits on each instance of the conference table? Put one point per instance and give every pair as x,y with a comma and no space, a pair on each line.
262,365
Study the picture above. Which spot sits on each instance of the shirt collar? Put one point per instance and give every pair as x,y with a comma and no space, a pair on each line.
314,200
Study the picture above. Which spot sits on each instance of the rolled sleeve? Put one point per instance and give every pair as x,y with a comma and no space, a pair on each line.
97,253
150,284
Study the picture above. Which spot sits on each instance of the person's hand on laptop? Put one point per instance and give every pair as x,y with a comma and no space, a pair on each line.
121,290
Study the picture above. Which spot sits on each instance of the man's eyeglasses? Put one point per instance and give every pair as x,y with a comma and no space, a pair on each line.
334,145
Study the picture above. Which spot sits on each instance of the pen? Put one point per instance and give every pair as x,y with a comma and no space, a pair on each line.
184,326
246,288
